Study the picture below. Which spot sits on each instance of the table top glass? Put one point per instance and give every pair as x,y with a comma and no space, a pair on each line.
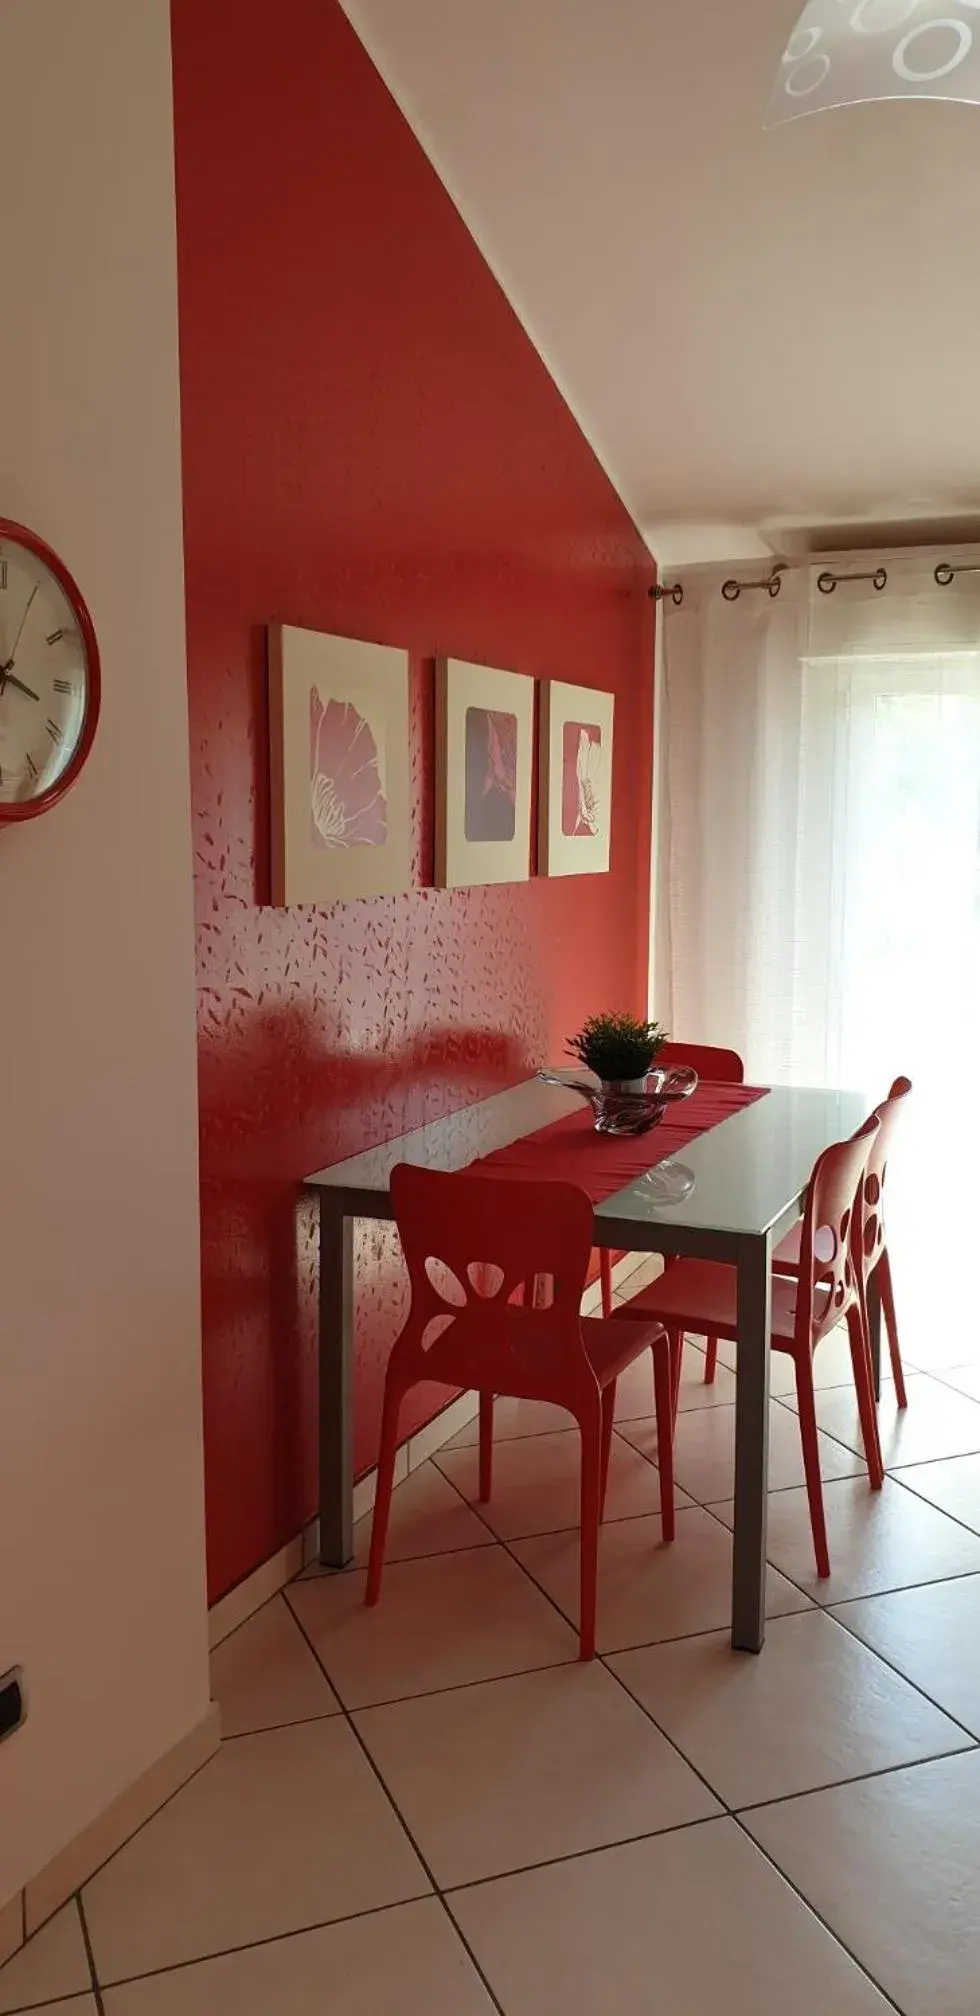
748,1172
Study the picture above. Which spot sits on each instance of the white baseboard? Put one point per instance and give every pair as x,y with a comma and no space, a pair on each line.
11,1927
77,1863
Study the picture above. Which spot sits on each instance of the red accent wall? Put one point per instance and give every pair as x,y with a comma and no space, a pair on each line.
371,446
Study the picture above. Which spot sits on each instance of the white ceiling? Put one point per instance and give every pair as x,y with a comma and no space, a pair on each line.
762,333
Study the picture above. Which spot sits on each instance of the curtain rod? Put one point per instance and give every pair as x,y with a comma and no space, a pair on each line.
943,575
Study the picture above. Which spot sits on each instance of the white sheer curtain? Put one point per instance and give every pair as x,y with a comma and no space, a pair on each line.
820,844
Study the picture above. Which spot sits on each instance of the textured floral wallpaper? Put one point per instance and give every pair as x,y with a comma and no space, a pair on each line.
373,447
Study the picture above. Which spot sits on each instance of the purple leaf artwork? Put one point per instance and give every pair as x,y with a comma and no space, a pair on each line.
490,809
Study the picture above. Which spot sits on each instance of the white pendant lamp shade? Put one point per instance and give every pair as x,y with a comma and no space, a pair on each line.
847,52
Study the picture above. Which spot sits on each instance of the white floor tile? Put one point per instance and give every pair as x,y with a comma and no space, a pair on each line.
953,1485
80,2005
704,1451
878,1540
52,1966
814,1709
492,1778
962,1378
265,1675
427,1517
937,1422
537,1483
685,1924
892,1865
281,1831
649,1591
931,1635
409,1961
440,1622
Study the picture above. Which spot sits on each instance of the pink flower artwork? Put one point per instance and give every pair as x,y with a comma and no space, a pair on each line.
490,783
582,808
348,807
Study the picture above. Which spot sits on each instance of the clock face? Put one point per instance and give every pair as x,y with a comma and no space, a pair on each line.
49,676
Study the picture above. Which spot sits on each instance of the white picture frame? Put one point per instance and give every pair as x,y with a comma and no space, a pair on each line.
484,764
338,716
575,780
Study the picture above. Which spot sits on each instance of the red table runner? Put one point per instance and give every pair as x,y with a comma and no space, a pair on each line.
571,1151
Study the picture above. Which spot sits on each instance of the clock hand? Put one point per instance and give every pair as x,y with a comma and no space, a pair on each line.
20,632
9,680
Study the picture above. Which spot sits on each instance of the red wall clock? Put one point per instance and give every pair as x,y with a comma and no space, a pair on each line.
50,682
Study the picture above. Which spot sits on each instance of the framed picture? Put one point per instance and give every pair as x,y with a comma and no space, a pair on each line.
575,786
340,774
484,754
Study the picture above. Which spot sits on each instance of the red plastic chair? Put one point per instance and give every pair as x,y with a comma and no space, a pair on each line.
471,1243
786,1259
700,1295
720,1067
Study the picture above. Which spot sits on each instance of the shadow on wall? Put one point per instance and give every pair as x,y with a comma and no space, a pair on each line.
260,1254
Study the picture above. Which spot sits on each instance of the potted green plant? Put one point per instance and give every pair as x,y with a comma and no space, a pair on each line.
619,1049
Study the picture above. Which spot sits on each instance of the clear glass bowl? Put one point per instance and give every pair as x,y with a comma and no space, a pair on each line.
631,1108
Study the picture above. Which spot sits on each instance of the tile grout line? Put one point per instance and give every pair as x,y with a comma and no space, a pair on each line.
251,1946
818,1915
867,1595
845,1626
96,1985
498,1540
856,1778
619,1429
820,1610
77,1996
727,1811
400,1817
601,1659
809,1602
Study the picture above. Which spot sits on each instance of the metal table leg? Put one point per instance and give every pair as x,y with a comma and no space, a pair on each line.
751,1445
336,1378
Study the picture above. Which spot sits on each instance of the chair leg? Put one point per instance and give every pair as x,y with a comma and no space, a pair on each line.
864,1387
711,1361
811,1462
486,1447
605,1276
591,1431
608,1416
676,1367
891,1325
663,1387
382,1498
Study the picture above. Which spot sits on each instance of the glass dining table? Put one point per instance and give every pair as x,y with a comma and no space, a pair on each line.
730,1194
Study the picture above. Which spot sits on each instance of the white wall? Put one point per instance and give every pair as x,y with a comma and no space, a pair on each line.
101,1522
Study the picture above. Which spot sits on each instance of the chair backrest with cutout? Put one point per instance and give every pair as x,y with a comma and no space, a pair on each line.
828,1265
888,1115
470,1243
